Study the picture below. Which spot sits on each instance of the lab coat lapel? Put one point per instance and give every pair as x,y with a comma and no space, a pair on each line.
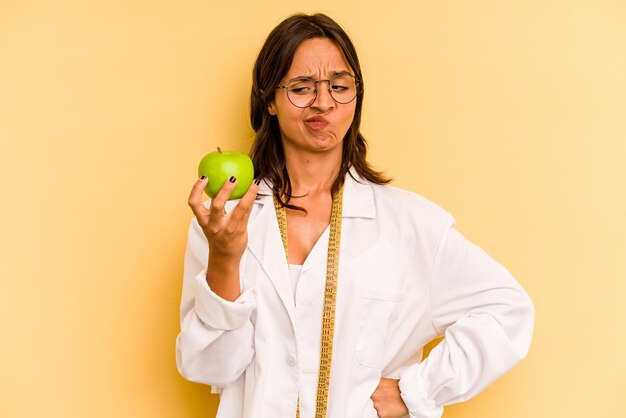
358,203
265,243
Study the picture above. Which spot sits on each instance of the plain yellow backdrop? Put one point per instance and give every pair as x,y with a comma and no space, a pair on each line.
509,114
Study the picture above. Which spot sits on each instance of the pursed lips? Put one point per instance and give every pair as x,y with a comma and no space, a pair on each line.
317,123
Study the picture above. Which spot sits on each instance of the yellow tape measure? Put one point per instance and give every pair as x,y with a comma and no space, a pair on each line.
330,298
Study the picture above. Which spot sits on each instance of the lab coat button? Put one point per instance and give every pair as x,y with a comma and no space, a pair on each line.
291,360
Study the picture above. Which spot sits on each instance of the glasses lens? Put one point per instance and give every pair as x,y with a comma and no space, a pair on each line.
343,88
301,92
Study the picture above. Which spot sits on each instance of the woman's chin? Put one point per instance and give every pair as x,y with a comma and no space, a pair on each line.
325,142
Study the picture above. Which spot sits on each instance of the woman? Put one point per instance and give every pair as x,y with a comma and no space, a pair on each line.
315,293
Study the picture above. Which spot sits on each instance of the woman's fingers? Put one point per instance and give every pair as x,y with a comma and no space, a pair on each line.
195,197
242,212
218,204
217,225
388,400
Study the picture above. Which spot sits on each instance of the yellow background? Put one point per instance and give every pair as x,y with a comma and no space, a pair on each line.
510,114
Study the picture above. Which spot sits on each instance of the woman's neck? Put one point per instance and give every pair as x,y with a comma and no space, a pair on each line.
312,173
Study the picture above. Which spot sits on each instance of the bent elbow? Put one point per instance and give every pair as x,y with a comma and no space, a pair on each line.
201,376
198,369
526,327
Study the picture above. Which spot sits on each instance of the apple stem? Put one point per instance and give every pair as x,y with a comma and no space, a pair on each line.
219,150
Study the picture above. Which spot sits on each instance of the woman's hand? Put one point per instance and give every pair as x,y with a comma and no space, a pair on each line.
387,400
227,234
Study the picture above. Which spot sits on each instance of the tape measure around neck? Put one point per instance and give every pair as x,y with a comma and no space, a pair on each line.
330,298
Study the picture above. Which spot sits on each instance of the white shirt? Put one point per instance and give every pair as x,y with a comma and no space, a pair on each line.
294,274
406,276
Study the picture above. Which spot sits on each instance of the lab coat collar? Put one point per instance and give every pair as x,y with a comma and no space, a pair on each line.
265,242
358,197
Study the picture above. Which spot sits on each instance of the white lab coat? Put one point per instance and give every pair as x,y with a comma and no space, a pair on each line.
406,276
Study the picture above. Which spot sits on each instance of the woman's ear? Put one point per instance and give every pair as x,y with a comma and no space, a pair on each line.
271,109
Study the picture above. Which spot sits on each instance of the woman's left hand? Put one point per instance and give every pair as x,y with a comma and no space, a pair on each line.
387,400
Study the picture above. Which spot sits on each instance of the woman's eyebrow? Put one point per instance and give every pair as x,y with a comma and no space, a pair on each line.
311,77
302,77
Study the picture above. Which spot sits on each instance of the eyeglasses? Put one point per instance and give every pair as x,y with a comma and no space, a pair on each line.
302,92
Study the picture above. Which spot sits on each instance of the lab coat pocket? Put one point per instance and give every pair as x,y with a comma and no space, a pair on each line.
378,311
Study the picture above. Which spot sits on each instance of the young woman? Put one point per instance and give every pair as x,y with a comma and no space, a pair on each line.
314,294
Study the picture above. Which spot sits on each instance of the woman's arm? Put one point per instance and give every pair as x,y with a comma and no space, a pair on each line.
215,342
486,317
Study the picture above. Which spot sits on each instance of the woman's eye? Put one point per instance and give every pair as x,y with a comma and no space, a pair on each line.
339,89
300,90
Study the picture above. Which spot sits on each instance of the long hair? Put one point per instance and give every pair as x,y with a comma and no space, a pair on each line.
271,66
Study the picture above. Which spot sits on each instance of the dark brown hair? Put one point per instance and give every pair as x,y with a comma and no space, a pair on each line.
271,66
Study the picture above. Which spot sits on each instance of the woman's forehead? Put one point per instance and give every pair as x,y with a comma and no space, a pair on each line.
317,57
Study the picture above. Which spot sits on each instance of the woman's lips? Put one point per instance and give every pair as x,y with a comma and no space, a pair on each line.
316,123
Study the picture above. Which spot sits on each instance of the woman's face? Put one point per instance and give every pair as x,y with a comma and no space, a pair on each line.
322,126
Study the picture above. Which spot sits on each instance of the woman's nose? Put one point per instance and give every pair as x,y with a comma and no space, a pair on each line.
324,100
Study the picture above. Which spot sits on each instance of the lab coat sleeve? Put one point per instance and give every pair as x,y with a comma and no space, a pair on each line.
214,345
486,317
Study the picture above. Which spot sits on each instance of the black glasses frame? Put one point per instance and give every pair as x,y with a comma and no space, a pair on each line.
315,82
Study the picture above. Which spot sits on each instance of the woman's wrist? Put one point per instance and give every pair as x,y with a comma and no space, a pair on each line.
223,277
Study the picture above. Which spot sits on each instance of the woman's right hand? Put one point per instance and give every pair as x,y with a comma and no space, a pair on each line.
226,233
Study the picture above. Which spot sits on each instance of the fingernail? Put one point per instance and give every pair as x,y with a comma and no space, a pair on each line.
203,177
232,179
257,181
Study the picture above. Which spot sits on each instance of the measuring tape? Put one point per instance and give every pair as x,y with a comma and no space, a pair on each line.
330,297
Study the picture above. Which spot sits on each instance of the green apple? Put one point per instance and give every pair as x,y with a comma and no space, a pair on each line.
219,165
